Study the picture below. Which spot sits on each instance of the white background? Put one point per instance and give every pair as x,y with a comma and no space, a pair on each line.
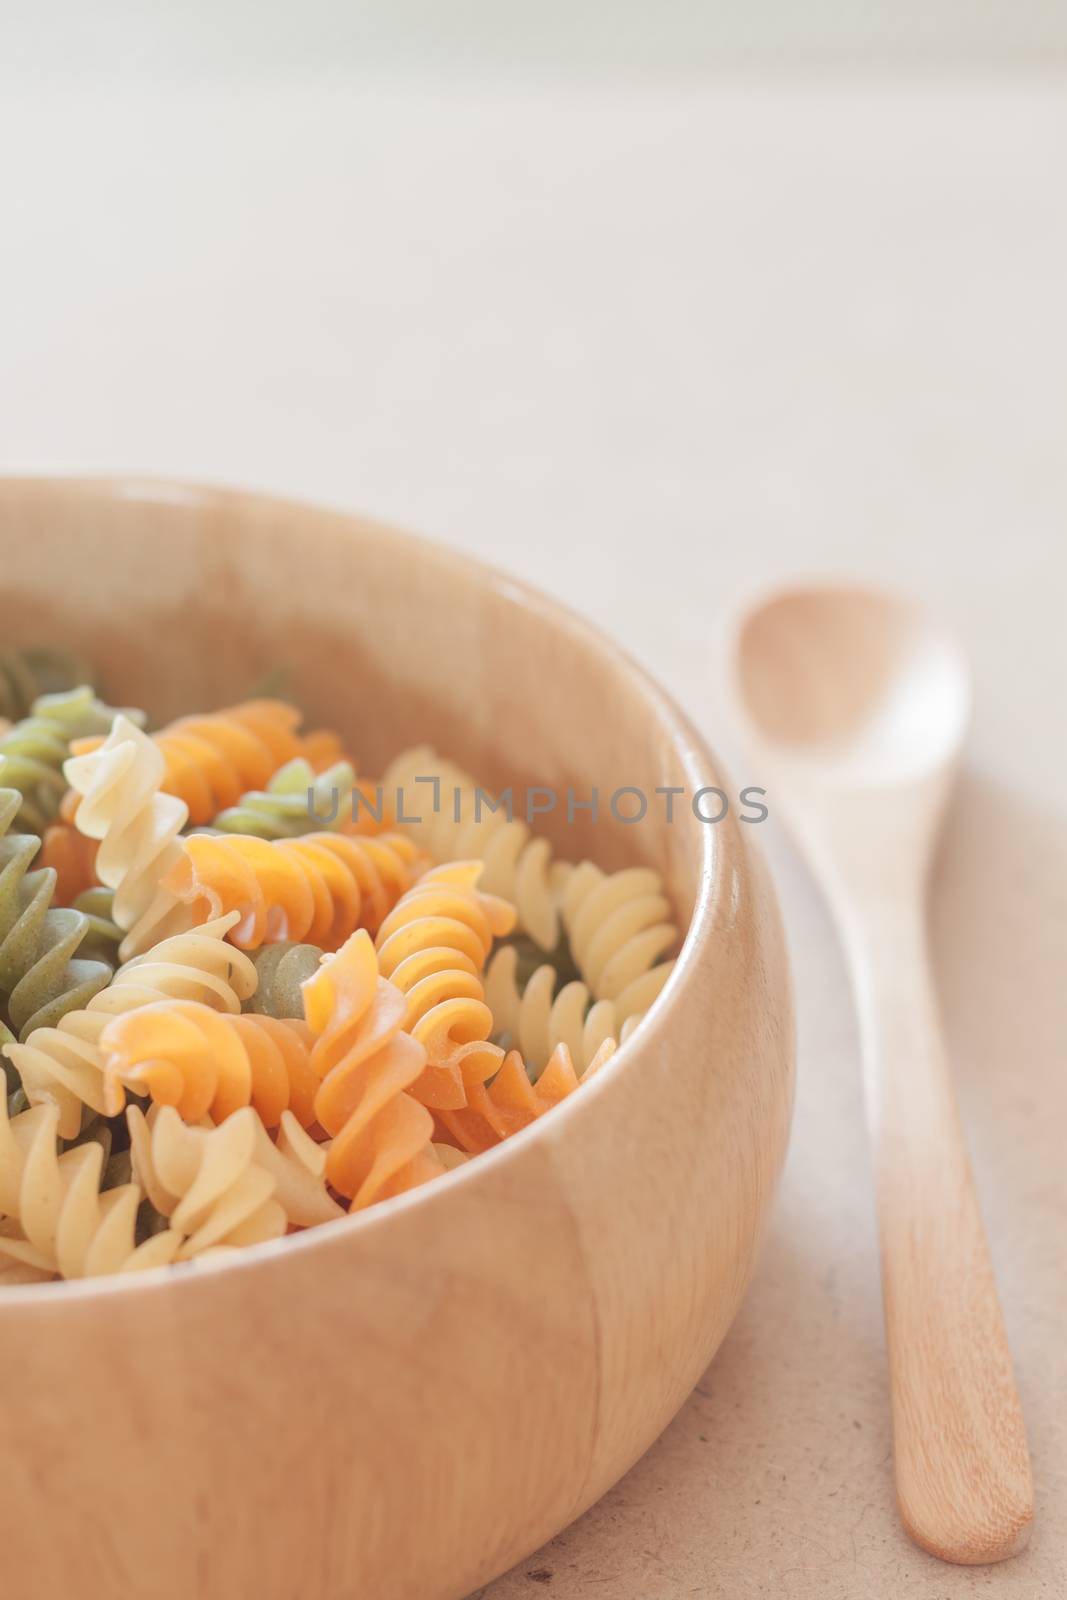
645,303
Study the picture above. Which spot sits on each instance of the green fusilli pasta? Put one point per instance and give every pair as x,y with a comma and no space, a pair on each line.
32,752
27,674
40,973
282,968
297,800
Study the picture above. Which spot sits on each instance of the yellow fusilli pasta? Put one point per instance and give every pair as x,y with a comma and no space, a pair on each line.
619,925
64,1225
537,1019
231,1184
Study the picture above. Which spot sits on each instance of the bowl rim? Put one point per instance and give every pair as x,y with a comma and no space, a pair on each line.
691,749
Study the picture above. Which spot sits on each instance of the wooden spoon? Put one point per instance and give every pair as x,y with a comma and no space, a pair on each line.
856,704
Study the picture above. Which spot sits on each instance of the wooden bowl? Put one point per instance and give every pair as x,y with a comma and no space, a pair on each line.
404,1403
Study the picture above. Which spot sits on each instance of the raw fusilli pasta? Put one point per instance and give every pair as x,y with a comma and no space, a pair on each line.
211,1063
536,1019
433,945
137,826
366,1064
516,866
228,1185
318,888
40,971
619,925
64,1224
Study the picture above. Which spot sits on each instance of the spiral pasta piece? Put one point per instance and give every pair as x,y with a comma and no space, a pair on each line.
317,889
461,827
510,1102
210,761
433,945
40,971
64,1225
57,978
381,1136
536,1020
64,1065
282,969
230,1184
32,752
619,925
199,964
137,828
297,800
210,1063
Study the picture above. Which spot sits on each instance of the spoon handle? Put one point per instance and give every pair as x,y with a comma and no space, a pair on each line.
959,1443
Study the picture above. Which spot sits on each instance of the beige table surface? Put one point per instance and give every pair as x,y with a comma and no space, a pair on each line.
645,349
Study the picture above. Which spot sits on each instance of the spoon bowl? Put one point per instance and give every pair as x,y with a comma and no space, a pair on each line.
865,684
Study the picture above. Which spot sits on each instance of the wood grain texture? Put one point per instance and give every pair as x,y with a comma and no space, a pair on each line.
402,1404
857,704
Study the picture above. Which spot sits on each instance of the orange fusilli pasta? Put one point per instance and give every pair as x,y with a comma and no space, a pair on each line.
208,1063
317,889
367,1064
433,945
